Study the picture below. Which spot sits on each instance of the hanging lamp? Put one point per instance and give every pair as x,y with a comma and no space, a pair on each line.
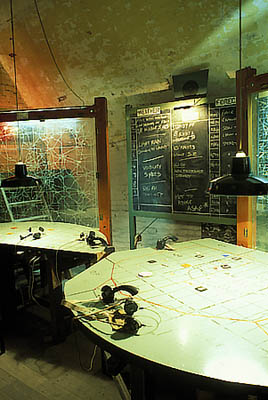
21,178
241,181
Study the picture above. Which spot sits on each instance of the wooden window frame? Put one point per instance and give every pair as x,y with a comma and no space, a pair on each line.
247,83
98,111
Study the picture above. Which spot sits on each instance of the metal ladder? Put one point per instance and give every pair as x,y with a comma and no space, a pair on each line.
26,203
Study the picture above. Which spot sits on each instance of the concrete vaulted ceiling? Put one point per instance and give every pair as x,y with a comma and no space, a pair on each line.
125,47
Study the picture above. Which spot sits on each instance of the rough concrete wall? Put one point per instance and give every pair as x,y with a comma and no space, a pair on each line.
118,49
118,162
7,92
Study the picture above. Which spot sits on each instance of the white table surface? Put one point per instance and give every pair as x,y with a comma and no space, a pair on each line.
56,236
220,332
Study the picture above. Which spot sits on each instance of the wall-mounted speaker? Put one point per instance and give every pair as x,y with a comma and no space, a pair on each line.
190,85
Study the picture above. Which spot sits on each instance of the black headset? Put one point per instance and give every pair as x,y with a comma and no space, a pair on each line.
160,244
93,240
35,235
130,325
107,293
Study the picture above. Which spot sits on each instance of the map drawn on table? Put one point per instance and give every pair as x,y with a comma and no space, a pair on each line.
227,285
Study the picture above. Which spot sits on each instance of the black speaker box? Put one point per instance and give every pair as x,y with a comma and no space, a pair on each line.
190,85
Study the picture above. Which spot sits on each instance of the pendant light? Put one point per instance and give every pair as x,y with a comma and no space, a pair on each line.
241,181
21,178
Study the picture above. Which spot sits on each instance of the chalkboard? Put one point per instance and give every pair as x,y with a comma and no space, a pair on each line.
151,143
222,147
175,151
190,160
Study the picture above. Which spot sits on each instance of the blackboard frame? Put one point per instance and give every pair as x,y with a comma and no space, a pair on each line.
182,217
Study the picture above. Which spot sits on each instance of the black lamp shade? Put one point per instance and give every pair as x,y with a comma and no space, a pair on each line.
241,182
21,178
240,166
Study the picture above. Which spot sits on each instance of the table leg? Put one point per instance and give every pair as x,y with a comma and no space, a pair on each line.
48,263
7,287
137,383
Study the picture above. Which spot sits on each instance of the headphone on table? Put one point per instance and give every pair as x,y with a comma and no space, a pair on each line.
124,323
107,293
93,240
160,244
128,323
35,235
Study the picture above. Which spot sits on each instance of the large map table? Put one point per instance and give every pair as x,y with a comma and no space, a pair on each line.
203,306
57,247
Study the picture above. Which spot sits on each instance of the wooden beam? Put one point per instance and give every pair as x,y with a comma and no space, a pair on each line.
100,113
103,167
246,207
48,113
246,222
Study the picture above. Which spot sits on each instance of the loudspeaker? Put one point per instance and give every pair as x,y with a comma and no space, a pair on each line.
191,85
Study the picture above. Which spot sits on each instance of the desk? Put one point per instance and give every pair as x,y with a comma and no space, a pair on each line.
59,248
204,306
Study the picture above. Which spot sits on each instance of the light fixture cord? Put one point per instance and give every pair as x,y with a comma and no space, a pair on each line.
240,34
240,67
52,54
13,55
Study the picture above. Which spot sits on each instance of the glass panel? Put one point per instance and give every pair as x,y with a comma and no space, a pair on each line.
62,153
259,161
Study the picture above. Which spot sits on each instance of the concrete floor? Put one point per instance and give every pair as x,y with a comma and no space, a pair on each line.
32,369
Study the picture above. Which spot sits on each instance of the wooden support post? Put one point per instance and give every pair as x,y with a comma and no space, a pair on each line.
246,209
246,222
137,383
103,167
